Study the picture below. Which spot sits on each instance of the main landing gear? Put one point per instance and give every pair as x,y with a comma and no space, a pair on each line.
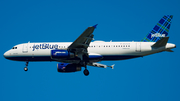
25,68
84,64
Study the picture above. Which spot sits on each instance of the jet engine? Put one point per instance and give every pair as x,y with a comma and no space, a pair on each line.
59,54
66,67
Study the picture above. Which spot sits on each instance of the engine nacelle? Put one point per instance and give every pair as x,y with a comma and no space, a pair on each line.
58,54
66,67
94,56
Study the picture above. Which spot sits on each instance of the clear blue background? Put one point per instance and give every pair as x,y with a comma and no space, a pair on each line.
151,78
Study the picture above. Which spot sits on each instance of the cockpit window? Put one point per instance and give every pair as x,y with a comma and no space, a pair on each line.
14,48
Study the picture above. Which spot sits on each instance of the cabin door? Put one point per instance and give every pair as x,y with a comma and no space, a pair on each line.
25,48
138,46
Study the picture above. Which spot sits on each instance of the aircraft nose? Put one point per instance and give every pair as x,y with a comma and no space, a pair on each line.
6,54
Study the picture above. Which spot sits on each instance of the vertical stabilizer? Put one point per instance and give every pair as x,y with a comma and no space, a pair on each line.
160,30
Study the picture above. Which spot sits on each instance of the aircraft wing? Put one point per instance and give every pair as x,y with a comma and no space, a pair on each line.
84,39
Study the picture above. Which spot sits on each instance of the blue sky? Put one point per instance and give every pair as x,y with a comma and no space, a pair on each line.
151,78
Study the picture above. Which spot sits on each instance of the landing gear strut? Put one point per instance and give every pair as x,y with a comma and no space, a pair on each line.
25,68
84,64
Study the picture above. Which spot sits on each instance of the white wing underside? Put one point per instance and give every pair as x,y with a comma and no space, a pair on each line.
100,65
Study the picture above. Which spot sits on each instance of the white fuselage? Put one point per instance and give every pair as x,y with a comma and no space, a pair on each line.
108,50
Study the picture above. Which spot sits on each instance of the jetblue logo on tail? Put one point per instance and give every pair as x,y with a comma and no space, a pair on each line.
157,35
160,30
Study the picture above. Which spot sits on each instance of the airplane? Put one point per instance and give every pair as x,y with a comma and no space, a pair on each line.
72,56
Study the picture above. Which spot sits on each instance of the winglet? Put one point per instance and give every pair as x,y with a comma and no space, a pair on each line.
112,66
95,25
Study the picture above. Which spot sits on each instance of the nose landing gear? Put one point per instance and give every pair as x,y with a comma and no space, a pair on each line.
25,68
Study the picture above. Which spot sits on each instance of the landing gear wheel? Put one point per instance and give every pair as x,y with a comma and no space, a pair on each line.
86,72
25,69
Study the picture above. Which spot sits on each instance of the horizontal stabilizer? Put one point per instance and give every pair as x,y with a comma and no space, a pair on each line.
169,50
162,42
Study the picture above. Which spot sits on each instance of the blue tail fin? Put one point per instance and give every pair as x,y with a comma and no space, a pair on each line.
160,30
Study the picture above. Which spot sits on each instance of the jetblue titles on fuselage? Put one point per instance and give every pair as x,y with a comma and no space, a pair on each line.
45,46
